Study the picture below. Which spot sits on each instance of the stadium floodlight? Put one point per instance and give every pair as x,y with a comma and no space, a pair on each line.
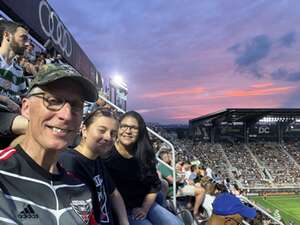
118,80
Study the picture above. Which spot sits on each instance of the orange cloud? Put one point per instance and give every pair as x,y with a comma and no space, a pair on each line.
181,91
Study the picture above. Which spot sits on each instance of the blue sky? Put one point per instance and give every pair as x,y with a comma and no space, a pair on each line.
185,58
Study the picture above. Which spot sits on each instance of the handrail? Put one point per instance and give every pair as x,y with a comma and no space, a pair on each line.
261,210
162,139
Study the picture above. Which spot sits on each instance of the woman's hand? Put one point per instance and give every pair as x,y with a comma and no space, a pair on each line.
139,213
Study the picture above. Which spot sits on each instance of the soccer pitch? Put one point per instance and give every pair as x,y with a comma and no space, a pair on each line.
289,206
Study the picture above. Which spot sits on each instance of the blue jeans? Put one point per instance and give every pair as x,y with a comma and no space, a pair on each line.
157,215
161,199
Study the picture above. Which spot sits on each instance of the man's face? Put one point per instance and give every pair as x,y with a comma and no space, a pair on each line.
29,48
18,41
54,130
166,158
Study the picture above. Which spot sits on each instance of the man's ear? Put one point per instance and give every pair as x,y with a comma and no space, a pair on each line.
25,108
6,36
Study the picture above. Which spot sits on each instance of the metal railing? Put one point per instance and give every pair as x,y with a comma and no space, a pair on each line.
263,211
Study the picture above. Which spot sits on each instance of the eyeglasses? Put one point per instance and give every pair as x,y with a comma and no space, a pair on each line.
55,103
124,127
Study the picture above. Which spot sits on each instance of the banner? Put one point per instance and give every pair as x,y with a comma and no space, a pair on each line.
45,25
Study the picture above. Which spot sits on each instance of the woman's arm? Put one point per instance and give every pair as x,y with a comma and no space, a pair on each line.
119,207
141,212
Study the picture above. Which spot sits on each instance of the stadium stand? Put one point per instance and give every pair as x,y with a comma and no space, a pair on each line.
232,143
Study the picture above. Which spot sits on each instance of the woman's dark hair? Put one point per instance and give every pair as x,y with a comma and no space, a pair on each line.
221,187
142,150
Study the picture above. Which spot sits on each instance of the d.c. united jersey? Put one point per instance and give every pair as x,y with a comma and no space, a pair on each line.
30,195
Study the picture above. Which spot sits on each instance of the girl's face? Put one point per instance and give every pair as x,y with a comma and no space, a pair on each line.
128,131
100,135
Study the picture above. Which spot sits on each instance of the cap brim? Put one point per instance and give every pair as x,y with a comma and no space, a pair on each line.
89,90
248,212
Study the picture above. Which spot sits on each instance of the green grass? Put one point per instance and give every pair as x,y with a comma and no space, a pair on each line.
288,206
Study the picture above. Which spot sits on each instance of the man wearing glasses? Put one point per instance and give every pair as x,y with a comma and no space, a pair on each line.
34,189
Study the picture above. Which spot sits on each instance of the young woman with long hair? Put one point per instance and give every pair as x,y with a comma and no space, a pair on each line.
98,134
132,166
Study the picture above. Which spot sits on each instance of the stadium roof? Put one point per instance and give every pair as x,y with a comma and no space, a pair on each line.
247,114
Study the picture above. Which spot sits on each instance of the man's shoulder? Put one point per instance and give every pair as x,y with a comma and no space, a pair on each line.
12,165
7,153
164,169
161,166
8,158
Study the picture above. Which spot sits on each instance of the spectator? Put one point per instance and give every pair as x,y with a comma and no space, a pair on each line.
58,59
40,61
53,106
98,134
132,167
186,189
228,209
13,37
28,68
29,53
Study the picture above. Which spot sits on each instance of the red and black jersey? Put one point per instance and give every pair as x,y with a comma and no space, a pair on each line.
31,195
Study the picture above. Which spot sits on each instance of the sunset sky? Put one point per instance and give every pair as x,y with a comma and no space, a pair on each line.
185,58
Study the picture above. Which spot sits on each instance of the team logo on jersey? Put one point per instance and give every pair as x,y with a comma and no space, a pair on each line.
28,213
82,209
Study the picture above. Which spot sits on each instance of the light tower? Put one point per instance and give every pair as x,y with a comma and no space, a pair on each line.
118,91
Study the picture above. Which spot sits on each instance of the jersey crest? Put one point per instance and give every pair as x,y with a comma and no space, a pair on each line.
82,209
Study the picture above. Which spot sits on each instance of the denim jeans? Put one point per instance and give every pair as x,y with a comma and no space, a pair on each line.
157,215
161,199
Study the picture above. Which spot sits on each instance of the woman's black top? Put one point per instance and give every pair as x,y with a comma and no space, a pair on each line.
128,179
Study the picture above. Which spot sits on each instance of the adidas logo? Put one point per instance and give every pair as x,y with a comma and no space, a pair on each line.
28,213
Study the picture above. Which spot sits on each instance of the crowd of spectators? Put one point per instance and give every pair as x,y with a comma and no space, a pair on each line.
32,60
281,167
246,169
241,166
293,149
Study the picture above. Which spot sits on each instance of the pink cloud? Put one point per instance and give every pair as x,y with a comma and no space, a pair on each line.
177,92
258,92
262,85
172,109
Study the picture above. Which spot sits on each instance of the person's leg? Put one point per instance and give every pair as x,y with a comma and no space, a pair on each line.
160,199
158,215
199,196
164,187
